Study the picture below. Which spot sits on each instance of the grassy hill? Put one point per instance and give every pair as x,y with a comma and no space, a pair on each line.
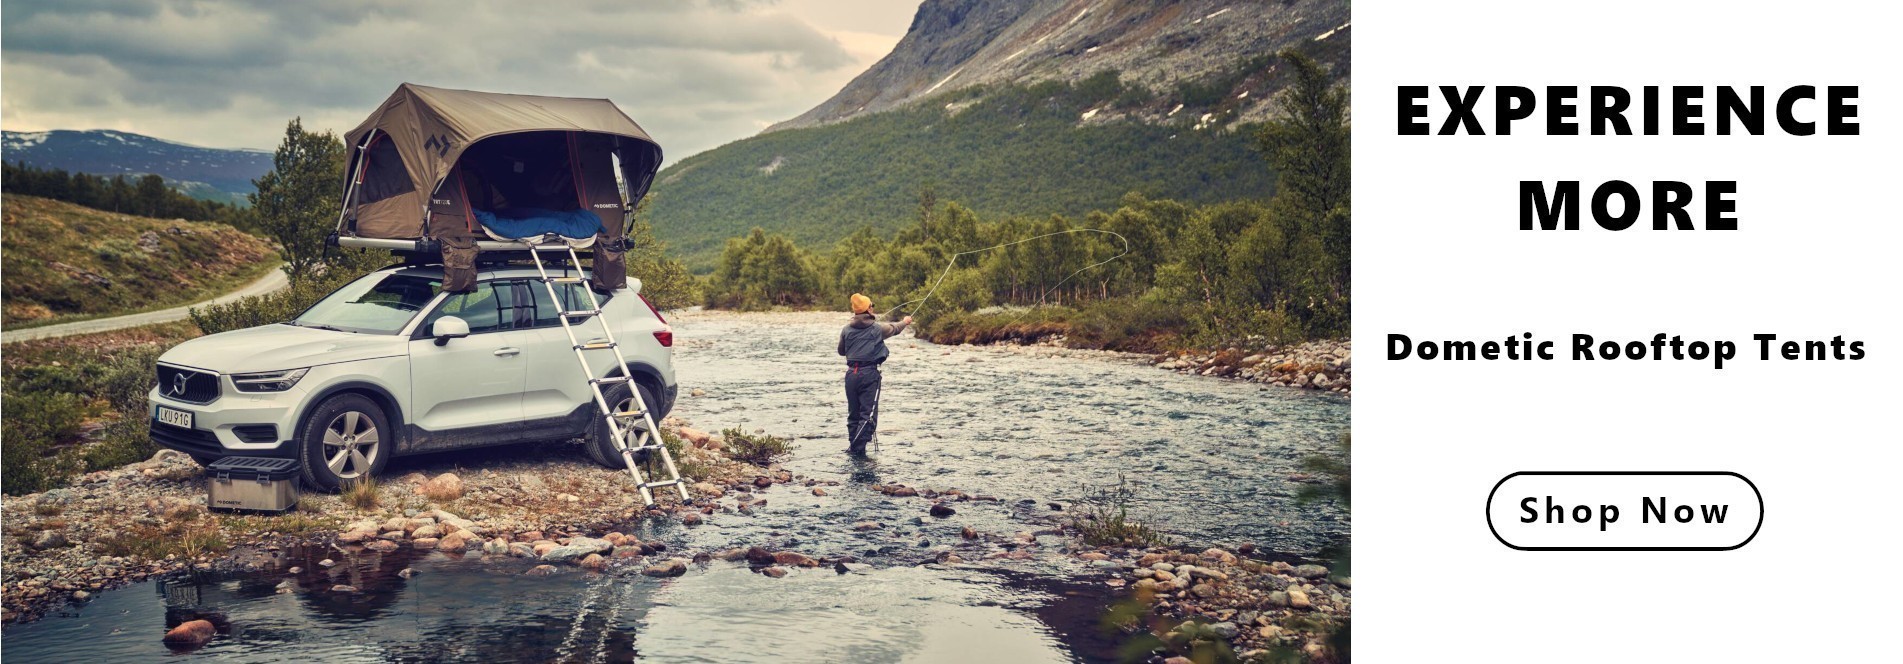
1044,148
66,262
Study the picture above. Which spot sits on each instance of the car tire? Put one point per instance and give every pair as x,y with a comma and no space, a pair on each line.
350,425
205,461
600,442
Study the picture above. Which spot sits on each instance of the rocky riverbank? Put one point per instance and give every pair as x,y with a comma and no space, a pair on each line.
1316,365
114,527
1193,600
544,511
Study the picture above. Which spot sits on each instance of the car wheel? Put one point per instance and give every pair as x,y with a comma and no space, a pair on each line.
345,438
601,445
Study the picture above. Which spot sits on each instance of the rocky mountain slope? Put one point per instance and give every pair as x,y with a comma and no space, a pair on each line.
954,44
1014,107
206,173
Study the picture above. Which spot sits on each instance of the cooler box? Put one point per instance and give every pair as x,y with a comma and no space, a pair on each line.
253,483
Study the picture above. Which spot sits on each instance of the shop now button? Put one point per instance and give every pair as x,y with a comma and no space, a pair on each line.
1625,511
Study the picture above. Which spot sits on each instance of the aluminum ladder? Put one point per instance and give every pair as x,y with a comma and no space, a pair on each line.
620,424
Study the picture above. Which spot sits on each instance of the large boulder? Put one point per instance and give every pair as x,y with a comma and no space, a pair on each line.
562,554
446,486
191,633
669,567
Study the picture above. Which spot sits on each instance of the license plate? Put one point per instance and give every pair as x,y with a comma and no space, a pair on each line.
177,418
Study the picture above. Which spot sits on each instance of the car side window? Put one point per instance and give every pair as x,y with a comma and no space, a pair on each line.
480,308
545,309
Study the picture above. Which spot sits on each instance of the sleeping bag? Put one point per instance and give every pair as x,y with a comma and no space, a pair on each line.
520,222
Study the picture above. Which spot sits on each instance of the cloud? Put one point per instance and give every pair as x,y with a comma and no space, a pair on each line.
230,73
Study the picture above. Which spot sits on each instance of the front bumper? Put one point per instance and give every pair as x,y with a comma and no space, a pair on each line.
234,424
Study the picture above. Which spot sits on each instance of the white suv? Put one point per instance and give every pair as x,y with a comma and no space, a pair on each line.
388,366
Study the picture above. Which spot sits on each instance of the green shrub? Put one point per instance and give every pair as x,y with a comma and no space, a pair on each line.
692,471
1136,325
1102,518
756,449
36,424
126,440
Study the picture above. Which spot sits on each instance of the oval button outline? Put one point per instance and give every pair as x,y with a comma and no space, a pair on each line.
1747,482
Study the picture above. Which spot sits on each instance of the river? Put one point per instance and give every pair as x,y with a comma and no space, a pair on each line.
1209,461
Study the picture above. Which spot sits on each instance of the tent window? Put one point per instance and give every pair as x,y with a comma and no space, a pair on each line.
384,175
526,170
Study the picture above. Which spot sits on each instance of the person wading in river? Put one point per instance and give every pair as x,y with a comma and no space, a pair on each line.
863,344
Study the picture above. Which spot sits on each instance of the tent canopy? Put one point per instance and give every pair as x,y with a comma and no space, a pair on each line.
428,156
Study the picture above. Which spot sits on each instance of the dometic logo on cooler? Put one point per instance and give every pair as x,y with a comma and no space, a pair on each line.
609,206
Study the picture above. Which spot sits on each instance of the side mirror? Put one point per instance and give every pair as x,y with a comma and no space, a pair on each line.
448,327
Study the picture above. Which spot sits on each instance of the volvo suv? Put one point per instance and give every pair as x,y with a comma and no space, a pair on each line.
388,366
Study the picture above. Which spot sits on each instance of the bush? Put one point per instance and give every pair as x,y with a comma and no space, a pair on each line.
756,449
1102,518
1135,325
36,424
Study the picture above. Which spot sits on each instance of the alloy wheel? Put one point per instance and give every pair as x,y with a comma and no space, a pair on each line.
351,444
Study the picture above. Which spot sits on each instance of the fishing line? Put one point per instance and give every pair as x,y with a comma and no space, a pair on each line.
1042,297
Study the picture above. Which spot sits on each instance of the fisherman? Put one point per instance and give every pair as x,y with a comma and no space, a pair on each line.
863,344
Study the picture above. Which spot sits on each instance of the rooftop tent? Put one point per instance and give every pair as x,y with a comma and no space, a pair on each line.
432,164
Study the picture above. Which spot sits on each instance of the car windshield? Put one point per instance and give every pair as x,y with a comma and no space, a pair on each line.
380,303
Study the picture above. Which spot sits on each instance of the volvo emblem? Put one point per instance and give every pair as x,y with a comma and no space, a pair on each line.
178,383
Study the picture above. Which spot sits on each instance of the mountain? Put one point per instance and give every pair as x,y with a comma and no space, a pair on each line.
959,43
1014,107
207,173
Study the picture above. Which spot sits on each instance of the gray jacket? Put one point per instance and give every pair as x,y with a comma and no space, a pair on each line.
863,341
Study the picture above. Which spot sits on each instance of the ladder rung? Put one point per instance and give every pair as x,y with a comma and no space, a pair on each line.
563,280
611,380
629,413
600,345
650,485
581,312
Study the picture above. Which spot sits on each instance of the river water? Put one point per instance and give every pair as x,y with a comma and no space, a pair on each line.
1209,460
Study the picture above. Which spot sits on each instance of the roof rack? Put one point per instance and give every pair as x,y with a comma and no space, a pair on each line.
429,246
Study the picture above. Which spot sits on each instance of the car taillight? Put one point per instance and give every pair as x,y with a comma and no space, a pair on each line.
666,337
657,312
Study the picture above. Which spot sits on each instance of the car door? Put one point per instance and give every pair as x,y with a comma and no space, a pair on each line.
475,380
554,385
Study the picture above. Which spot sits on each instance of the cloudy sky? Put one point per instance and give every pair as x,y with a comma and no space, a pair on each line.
226,73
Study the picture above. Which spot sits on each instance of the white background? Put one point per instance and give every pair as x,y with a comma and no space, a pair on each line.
1438,255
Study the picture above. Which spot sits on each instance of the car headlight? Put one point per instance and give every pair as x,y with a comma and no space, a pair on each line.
268,381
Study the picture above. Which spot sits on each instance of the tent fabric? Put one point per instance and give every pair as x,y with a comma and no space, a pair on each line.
425,135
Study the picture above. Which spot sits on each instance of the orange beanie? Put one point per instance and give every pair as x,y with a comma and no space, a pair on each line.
861,304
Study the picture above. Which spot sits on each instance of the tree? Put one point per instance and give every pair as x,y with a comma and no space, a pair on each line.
298,200
1309,151
664,281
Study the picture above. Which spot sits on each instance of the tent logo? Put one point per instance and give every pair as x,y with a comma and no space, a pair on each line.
439,144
